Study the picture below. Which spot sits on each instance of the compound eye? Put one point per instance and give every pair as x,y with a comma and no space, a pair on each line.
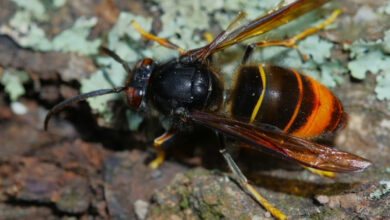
134,97
145,63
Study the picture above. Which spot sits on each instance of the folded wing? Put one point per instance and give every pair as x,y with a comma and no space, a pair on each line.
303,151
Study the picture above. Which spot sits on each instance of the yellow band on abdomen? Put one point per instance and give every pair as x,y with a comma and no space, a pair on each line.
260,100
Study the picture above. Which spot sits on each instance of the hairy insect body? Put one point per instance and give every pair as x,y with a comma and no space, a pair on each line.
263,94
184,85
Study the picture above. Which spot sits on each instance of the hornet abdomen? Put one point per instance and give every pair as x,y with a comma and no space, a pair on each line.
295,103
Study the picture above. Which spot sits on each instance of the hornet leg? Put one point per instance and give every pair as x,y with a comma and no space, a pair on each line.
243,181
160,152
291,42
321,173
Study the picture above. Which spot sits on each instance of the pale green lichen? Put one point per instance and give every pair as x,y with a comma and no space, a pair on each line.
331,73
320,52
23,29
372,57
34,37
99,104
27,33
385,9
13,83
366,57
111,74
125,40
382,88
33,7
253,8
180,19
59,3
75,39
384,189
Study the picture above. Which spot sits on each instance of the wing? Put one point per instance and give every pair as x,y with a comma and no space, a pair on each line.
271,20
303,151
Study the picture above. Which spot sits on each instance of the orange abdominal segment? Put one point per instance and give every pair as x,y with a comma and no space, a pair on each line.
322,113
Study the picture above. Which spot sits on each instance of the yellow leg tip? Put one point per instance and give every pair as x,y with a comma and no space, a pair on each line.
270,208
208,37
154,164
242,180
321,173
158,161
